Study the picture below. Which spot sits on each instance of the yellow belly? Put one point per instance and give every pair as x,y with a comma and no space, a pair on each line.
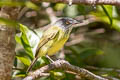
57,46
54,45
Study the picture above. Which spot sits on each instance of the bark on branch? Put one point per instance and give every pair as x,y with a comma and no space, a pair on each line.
7,43
62,64
89,2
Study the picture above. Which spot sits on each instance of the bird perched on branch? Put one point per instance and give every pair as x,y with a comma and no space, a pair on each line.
54,38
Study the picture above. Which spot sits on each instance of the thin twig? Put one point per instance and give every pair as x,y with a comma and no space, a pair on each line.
62,64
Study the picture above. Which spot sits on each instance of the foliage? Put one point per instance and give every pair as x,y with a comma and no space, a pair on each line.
99,45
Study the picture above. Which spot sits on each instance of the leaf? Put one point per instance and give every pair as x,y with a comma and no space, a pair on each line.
57,75
28,39
24,60
31,5
8,22
40,62
28,4
116,24
11,3
19,74
108,11
108,15
60,6
18,39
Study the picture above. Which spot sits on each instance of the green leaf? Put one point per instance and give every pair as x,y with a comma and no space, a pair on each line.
40,62
108,11
60,6
18,39
11,3
19,3
31,5
57,75
28,39
108,14
19,74
8,22
24,60
116,24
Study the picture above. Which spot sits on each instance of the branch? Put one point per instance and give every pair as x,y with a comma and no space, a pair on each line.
62,64
7,42
89,2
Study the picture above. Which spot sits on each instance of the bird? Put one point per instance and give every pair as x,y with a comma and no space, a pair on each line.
54,38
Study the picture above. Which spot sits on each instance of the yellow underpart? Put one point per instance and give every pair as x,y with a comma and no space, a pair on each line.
55,44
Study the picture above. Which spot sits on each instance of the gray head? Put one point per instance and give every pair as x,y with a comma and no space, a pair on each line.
66,23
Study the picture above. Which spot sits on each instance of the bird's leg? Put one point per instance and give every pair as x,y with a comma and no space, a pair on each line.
49,58
31,65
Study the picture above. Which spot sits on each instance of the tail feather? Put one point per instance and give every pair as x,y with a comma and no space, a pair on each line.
31,65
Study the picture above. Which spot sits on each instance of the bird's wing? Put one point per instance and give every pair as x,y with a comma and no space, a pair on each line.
48,35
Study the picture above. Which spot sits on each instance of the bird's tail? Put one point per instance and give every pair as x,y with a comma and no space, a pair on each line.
31,65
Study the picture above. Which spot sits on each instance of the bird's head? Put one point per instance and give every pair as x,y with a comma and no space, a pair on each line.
66,23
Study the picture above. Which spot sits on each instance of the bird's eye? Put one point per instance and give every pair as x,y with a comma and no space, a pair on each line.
67,22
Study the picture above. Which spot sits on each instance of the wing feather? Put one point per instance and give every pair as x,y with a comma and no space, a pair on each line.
48,35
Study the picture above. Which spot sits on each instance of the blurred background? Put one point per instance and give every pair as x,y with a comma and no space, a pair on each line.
93,45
